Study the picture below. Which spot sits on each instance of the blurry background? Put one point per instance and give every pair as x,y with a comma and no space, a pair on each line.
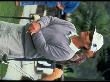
89,14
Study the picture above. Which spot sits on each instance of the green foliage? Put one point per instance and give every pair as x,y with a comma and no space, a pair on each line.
3,69
90,16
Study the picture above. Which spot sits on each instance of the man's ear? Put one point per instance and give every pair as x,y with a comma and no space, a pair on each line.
94,55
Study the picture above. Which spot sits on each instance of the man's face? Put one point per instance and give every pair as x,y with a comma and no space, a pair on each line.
85,39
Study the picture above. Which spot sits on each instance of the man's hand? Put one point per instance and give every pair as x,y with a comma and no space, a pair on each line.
79,57
82,56
34,27
60,6
57,73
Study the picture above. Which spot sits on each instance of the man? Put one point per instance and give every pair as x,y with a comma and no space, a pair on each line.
86,39
49,37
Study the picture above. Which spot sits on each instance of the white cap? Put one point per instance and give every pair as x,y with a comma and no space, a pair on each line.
97,41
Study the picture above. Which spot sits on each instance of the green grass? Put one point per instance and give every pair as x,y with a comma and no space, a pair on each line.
3,69
8,8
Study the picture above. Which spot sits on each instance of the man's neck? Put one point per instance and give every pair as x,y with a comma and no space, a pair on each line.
76,41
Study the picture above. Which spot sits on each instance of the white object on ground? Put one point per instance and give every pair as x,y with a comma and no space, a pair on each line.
29,68
46,70
13,73
44,63
28,9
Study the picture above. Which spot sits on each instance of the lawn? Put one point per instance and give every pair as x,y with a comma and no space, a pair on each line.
8,8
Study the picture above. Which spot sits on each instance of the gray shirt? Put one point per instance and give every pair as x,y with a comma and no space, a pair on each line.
50,42
11,40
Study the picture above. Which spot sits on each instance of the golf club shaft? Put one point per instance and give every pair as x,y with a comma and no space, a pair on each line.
30,18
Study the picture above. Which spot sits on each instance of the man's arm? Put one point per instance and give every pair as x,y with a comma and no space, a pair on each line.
57,52
45,21
48,20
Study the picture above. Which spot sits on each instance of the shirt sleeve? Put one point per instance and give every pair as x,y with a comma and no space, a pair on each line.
56,52
48,20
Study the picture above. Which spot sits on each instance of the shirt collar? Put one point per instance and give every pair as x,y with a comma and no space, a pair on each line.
72,46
